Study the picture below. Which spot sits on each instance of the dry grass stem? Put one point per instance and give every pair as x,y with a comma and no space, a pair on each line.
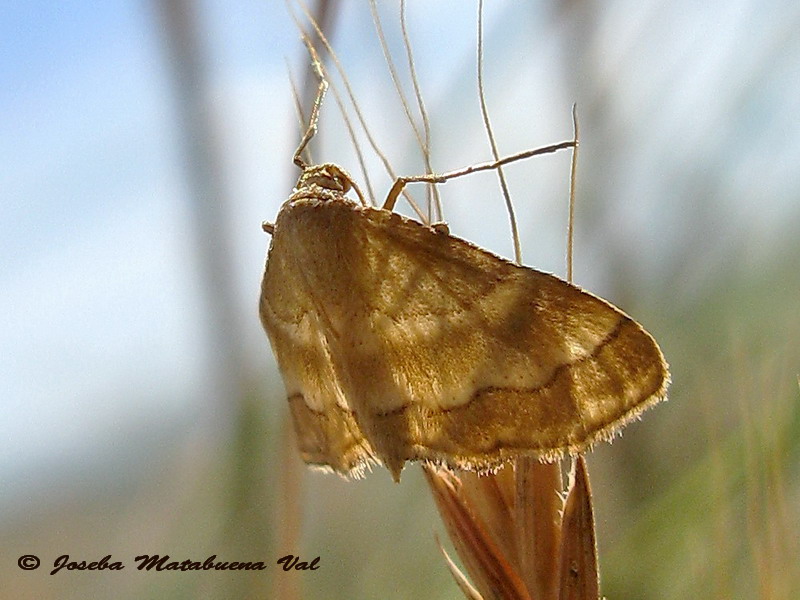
538,503
461,580
578,572
484,557
495,536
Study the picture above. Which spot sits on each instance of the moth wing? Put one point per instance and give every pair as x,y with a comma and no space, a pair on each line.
446,352
324,424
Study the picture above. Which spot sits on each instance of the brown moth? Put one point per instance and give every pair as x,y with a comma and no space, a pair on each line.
398,341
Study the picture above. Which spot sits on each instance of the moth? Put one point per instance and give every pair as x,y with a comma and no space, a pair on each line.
399,342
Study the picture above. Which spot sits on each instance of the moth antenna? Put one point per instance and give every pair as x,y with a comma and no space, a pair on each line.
572,180
402,182
362,121
488,127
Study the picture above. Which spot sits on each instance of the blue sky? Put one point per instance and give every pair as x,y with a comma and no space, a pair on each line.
85,225
102,315
103,321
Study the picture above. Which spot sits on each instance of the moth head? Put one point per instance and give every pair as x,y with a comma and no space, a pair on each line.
327,176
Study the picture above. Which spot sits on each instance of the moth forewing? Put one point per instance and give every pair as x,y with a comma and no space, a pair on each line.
398,341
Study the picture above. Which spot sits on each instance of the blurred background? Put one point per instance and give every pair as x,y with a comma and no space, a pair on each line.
143,143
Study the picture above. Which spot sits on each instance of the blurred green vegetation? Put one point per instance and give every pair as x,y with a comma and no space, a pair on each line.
701,499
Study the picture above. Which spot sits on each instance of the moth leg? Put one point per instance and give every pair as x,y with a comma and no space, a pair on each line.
268,227
441,227
311,131
401,182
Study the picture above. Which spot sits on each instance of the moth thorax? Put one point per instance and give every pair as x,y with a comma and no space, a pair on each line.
327,176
